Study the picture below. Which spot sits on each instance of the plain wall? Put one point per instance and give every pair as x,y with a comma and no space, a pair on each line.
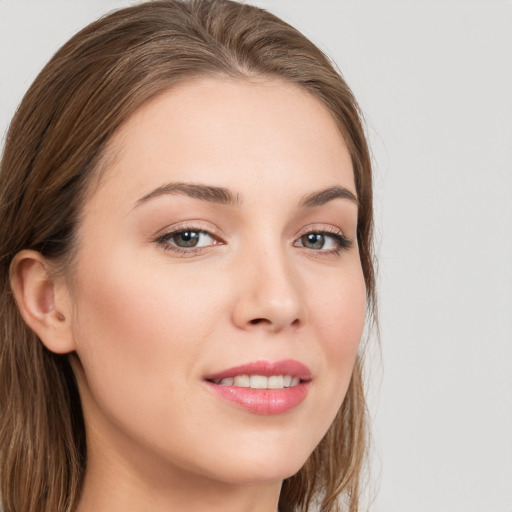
434,79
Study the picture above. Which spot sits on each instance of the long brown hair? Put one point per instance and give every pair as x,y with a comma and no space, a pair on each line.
58,138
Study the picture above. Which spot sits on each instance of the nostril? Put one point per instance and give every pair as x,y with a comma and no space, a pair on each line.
257,321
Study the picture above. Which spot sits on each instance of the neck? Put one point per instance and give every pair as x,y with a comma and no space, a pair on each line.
113,495
129,483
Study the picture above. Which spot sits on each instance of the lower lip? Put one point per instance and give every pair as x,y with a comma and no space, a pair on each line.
263,401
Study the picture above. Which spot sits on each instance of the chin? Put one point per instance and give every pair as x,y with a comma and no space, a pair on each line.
264,462
261,472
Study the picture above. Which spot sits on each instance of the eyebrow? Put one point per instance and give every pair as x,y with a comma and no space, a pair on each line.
209,193
326,195
224,196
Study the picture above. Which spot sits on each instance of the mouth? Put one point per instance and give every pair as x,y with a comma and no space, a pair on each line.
259,381
263,387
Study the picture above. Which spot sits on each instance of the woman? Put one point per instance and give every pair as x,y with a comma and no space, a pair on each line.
186,216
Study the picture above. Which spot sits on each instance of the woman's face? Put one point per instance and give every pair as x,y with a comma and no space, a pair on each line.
220,243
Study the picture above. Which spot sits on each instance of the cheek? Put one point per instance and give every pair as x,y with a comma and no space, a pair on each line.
338,309
338,315
132,324
130,299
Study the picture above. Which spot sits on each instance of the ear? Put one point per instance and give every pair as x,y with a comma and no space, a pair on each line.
43,302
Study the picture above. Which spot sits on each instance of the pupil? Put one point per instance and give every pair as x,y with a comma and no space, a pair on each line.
313,241
187,239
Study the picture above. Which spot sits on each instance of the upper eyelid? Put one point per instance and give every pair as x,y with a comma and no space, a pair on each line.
172,233
190,226
169,230
217,233
321,228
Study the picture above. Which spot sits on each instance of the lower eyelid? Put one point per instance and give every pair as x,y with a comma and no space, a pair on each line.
340,241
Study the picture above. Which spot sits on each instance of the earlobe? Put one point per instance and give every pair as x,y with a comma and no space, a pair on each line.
43,303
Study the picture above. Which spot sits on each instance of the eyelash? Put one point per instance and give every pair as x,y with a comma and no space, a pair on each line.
341,241
164,241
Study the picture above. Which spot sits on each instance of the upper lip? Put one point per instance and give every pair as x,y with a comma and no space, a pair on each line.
265,368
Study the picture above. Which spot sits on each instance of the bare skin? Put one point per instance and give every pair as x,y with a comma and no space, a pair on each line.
275,275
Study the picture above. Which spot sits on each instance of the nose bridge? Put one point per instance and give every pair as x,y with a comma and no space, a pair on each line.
268,293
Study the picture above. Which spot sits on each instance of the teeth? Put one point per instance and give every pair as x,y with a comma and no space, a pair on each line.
276,382
260,381
243,381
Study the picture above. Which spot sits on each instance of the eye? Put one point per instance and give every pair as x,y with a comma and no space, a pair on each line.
190,238
313,240
187,240
324,241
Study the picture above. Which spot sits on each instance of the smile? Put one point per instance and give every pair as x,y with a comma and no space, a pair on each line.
263,387
260,381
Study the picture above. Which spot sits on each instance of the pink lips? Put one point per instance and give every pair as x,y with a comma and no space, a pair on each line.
263,401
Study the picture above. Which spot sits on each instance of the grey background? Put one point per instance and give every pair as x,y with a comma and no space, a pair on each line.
434,79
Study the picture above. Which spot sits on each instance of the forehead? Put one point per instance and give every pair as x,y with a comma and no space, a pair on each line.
226,132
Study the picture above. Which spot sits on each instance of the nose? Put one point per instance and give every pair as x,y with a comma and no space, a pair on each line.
268,294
